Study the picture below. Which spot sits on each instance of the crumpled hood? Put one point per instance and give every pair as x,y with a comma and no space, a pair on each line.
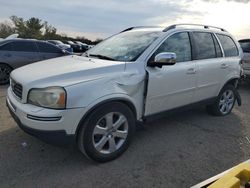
65,71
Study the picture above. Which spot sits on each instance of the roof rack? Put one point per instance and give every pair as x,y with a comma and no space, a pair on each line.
139,27
204,26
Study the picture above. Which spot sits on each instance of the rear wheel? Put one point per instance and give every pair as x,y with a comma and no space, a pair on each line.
224,102
107,132
5,71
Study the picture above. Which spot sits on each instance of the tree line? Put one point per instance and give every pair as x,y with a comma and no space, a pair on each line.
35,28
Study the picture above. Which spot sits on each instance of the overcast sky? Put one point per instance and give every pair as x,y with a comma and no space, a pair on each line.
101,18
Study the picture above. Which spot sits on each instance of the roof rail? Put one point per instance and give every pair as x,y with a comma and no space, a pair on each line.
204,26
138,27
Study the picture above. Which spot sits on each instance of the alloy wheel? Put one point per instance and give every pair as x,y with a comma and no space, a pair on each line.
110,132
226,101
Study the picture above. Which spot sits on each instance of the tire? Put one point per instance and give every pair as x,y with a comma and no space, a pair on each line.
224,103
107,132
5,71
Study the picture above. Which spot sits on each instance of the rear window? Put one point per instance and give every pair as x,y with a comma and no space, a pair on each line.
24,46
47,48
228,45
204,45
245,46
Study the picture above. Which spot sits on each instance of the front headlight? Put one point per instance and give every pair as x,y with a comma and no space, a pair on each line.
51,97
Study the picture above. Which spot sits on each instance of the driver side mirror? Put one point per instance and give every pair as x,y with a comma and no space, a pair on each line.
163,59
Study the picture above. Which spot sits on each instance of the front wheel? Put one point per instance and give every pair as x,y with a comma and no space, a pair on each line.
5,71
106,133
224,102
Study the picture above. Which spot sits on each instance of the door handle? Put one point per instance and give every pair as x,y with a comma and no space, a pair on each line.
224,66
191,71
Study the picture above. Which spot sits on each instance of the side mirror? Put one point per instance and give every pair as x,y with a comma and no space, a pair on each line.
164,58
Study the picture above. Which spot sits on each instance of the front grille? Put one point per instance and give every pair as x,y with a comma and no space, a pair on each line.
17,88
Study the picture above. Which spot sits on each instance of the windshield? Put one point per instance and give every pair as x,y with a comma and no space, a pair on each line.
127,46
70,42
58,42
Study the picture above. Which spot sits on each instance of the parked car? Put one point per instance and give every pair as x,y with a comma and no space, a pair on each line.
61,45
15,53
75,47
84,46
95,99
245,45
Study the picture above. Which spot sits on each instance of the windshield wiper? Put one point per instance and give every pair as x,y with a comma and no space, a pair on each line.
101,57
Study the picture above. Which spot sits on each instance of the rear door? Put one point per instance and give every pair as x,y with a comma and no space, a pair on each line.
171,86
208,57
48,51
23,53
230,64
6,52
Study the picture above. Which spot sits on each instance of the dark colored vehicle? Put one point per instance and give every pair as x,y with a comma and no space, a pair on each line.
15,53
245,45
75,47
85,47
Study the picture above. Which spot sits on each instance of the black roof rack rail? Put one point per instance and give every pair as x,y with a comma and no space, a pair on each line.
138,27
204,26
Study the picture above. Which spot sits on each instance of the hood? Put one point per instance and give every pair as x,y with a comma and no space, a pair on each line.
65,71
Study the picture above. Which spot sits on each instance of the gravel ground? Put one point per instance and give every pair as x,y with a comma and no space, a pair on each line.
176,151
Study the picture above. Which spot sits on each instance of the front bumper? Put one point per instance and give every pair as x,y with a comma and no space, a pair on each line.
53,137
52,126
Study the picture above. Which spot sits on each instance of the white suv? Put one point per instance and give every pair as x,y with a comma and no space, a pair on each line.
96,99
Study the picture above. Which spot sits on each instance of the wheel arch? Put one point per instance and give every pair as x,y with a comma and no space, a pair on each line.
3,63
94,107
233,81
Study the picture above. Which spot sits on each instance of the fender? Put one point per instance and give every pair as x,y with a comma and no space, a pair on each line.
101,101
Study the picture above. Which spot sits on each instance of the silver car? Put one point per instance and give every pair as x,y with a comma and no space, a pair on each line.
61,45
245,45
15,53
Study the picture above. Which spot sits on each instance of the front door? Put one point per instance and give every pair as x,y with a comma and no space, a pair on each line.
171,86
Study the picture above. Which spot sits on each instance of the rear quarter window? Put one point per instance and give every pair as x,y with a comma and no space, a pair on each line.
228,45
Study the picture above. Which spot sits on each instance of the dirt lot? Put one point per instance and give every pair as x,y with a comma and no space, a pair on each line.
176,151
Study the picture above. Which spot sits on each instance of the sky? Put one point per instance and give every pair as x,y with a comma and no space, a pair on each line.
102,18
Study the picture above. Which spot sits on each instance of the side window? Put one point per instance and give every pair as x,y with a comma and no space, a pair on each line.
47,48
178,43
228,45
24,46
6,47
204,45
217,47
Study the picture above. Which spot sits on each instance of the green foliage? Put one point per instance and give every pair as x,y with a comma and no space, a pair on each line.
36,29
6,29
50,32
